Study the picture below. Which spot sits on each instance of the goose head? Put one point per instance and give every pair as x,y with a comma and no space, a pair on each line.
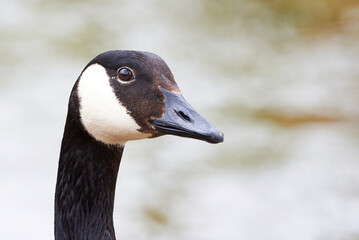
130,95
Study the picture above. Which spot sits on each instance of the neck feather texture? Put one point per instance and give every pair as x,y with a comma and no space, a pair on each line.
85,186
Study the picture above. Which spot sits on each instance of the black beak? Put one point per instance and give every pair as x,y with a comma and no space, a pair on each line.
182,120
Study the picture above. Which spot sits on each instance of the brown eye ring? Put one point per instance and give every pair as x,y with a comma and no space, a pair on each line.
125,74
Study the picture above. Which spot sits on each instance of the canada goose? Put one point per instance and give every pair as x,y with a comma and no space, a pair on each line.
119,96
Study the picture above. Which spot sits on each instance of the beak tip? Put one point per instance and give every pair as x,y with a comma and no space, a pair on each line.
216,136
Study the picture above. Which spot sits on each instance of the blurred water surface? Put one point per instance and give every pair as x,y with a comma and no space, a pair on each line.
280,78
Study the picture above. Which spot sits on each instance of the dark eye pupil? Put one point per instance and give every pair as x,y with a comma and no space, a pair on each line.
124,74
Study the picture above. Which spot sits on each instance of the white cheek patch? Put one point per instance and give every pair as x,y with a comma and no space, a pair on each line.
101,113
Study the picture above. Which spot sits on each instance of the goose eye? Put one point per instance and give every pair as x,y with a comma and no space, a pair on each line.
125,74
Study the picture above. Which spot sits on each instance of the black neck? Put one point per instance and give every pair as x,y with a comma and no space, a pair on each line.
85,186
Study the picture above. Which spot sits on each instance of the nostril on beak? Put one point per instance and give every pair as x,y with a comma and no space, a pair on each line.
183,116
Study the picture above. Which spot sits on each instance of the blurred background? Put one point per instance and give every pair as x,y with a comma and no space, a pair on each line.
279,77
